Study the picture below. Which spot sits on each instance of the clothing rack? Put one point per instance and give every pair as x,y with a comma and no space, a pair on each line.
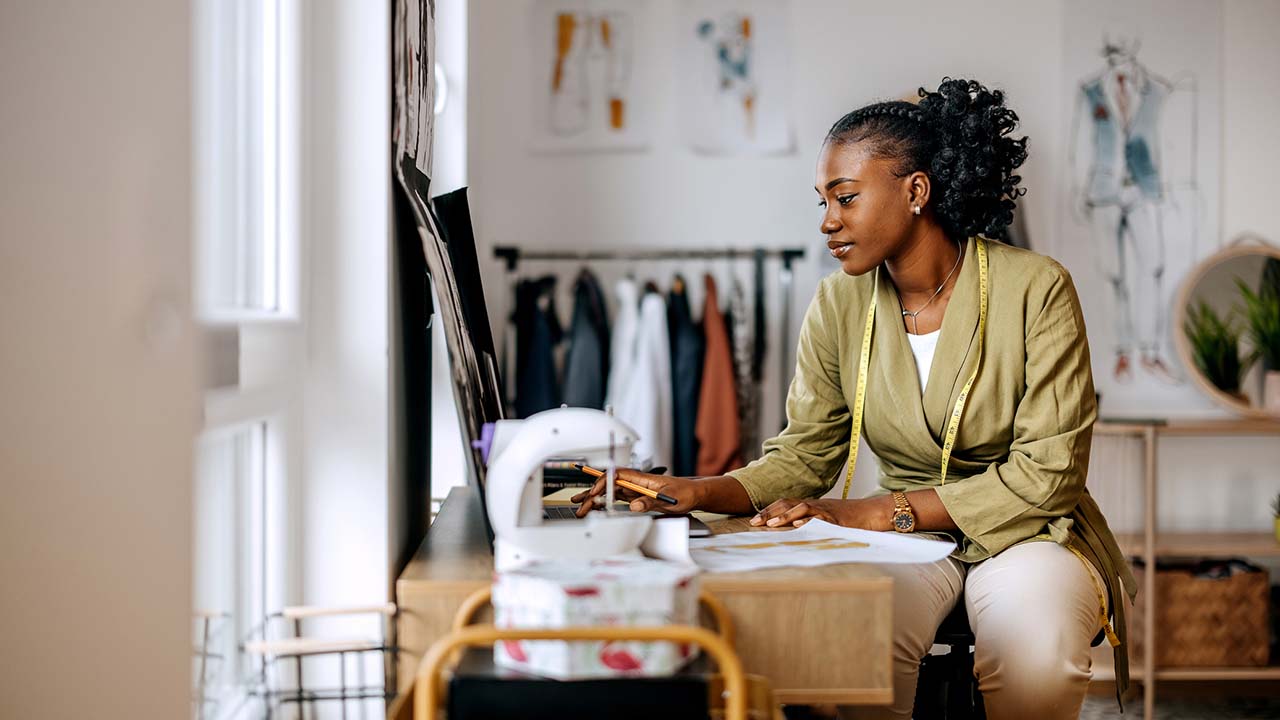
512,256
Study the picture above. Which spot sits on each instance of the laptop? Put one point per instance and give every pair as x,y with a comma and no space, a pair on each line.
451,259
560,475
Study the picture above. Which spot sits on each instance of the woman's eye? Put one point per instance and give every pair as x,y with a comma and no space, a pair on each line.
822,203
845,199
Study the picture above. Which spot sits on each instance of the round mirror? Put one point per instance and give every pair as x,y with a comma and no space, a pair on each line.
1228,327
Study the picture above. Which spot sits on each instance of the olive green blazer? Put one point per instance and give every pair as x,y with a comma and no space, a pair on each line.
1018,469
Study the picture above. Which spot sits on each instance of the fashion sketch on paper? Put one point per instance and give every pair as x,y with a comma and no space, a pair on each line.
591,69
1124,144
731,48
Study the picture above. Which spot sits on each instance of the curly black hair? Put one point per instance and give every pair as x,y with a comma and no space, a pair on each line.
959,136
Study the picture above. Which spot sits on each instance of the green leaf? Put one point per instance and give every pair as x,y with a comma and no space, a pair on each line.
1262,315
1215,345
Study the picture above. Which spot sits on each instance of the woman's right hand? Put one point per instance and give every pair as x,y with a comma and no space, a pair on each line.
686,492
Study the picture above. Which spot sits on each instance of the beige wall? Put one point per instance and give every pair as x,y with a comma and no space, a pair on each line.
98,396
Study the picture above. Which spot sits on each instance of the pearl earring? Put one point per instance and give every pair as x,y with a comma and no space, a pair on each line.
916,210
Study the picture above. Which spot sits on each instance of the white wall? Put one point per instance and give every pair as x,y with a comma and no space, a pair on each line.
448,173
844,55
346,170
449,151
98,367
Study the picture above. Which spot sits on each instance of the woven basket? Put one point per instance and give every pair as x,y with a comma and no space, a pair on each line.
1203,622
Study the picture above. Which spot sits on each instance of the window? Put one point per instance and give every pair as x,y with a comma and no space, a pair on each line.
245,135
248,262
235,552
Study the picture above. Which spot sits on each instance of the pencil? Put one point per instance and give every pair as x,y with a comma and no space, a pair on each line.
629,485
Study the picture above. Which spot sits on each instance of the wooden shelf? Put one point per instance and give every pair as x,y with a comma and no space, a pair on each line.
1269,672
1210,544
1120,426
1221,427
1189,674
1104,670
1181,544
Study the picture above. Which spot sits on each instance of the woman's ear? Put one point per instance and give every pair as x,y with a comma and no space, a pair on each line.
918,188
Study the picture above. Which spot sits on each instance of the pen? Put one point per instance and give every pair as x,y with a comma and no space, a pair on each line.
629,485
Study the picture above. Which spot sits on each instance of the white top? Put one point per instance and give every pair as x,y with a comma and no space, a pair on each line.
922,346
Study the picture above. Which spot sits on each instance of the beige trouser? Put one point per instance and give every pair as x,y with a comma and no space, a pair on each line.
1033,610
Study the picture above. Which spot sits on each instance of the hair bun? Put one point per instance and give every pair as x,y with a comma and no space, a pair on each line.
959,136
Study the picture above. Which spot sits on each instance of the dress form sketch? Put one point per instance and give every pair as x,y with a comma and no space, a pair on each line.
1121,193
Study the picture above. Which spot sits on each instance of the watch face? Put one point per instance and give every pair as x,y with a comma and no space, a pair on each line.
903,522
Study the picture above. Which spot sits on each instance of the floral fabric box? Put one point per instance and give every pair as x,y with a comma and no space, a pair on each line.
604,592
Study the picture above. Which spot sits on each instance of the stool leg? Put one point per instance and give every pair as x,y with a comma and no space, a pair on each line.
302,707
342,683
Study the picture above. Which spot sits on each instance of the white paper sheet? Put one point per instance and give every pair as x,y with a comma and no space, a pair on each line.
735,84
817,542
591,74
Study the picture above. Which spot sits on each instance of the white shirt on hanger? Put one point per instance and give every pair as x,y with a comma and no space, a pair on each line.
640,375
922,347
622,341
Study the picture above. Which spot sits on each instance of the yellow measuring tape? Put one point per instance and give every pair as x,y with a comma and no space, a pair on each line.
1112,638
953,425
860,395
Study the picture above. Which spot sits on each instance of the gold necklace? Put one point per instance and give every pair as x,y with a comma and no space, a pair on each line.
915,322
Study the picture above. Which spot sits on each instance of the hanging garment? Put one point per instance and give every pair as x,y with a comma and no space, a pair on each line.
586,367
758,336
538,332
742,342
718,428
642,399
686,379
622,343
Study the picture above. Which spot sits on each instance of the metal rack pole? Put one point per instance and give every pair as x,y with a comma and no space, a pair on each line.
513,255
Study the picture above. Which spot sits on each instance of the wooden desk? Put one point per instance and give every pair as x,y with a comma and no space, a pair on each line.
821,635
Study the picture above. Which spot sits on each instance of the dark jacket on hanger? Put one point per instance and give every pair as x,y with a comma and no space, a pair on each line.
718,429
538,332
586,367
686,378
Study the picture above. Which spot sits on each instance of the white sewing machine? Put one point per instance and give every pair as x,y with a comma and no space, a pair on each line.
513,487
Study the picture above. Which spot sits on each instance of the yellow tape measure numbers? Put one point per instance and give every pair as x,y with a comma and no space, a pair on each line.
860,394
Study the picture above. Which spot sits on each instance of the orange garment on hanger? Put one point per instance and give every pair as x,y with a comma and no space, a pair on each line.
718,431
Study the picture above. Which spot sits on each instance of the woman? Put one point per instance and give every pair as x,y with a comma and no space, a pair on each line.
989,334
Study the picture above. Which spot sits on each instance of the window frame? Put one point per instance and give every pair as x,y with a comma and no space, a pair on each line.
248,199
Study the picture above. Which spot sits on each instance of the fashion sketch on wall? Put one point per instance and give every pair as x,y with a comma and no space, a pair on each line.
734,59
1144,88
588,75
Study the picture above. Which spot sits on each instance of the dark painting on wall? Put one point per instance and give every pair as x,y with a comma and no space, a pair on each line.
472,364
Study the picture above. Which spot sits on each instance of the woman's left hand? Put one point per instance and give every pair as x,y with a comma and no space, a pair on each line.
795,512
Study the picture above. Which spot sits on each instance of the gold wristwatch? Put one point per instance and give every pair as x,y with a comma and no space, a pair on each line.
904,518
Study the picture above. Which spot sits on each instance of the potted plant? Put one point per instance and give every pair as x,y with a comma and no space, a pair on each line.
1262,313
1215,345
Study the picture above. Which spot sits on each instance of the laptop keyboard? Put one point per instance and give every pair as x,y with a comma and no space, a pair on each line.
568,512
559,512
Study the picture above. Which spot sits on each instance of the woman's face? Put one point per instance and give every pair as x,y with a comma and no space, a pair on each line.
866,209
